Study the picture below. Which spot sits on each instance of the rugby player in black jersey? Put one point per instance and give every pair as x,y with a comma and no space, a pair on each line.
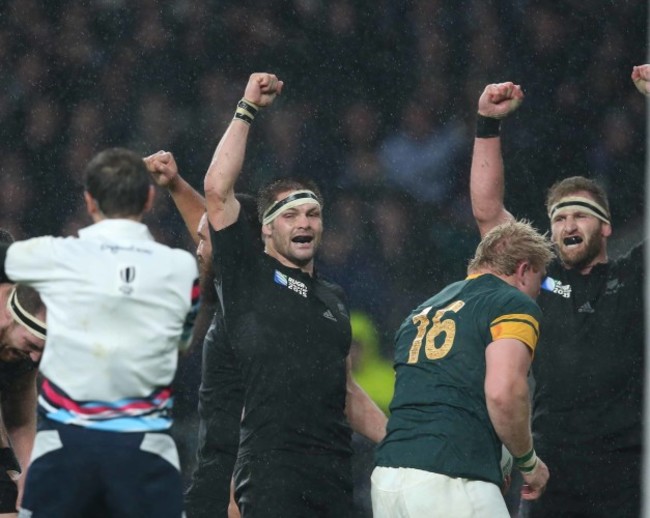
589,365
286,357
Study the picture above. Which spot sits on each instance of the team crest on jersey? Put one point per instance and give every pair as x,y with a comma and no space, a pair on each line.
127,276
550,284
288,282
613,286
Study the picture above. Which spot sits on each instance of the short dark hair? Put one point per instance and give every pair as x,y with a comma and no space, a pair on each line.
248,206
29,299
119,182
267,195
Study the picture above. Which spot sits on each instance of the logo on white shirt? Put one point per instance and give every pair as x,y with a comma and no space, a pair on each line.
127,276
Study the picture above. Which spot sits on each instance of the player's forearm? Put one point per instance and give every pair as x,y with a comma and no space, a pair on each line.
19,415
487,185
219,183
21,430
22,441
364,416
190,204
509,410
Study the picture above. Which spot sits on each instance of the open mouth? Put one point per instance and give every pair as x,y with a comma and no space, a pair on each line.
302,239
572,240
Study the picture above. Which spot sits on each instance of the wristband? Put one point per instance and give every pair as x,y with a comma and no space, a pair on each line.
246,111
527,462
487,127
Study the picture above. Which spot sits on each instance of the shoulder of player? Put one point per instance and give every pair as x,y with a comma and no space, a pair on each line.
31,248
332,286
634,258
181,256
505,297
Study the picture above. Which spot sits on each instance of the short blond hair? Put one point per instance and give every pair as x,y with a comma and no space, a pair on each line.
507,245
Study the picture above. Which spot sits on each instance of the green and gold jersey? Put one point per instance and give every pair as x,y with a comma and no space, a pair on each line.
439,420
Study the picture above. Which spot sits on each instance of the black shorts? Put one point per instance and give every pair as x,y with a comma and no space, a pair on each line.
281,484
209,492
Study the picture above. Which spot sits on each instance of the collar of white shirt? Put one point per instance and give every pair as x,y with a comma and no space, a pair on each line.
122,228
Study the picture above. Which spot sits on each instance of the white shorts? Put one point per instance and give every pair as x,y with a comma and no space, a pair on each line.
414,493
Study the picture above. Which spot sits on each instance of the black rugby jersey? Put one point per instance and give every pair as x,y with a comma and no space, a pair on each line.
589,366
290,336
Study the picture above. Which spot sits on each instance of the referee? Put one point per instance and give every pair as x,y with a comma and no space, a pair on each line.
288,340
117,305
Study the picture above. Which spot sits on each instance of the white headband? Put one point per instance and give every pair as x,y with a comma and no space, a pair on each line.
293,200
580,203
34,325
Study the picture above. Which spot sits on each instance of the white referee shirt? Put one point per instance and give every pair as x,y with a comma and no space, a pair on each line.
116,305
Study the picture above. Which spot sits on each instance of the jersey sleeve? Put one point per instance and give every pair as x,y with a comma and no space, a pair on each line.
31,261
235,257
519,319
232,247
632,265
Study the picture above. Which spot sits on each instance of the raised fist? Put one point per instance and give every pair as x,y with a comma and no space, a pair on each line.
162,167
641,78
262,89
499,100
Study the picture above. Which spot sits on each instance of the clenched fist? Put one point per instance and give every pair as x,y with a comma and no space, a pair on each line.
499,100
641,78
262,89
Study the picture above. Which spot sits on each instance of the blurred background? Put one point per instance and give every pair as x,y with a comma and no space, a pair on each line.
378,107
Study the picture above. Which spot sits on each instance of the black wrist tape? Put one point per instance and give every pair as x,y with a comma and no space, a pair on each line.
244,117
487,127
245,111
245,105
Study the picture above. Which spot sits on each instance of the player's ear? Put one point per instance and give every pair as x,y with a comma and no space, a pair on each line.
266,230
150,198
605,230
522,268
520,272
92,207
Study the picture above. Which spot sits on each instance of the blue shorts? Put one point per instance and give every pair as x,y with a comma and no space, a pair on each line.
76,472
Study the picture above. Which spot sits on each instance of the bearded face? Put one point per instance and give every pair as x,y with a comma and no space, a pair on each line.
578,238
18,344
